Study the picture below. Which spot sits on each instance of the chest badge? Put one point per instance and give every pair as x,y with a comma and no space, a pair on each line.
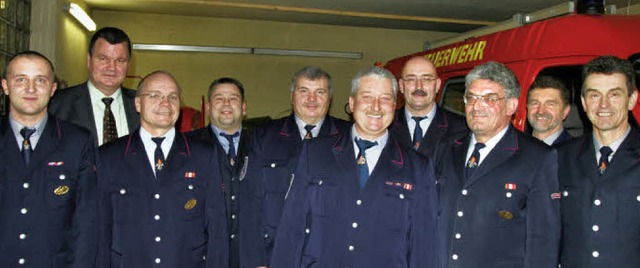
61,190
505,214
191,203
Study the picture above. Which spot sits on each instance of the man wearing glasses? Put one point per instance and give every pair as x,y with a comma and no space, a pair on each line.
420,124
160,198
498,187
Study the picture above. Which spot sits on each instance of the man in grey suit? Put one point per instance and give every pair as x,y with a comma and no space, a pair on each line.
101,104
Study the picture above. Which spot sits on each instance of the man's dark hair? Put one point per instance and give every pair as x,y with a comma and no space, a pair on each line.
609,65
28,53
112,35
546,81
226,80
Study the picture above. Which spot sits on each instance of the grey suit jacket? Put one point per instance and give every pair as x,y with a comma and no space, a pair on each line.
73,105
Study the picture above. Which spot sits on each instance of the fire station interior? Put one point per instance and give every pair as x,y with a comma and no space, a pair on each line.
576,122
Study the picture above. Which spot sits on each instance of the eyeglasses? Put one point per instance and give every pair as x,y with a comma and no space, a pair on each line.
486,100
157,97
414,80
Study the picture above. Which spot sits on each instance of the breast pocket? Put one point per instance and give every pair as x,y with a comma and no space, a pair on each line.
60,188
629,210
395,208
189,200
322,197
129,204
511,209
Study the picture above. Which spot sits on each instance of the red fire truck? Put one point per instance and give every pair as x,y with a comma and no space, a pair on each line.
557,46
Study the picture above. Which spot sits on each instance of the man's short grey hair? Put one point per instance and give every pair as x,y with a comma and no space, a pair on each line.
312,73
376,72
498,73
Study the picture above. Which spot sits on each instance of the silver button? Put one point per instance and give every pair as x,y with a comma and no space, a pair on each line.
158,239
156,217
508,194
22,236
273,165
21,261
638,198
401,196
465,192
458,236
306,231
320,182
233,217
233,236
190,186
595,228
26,186
123,191
266,235
156,196
595,254
597,202
23,211
158,260
354,225
460,213
454,256
62,177
233,197
359,202
565,193
351,248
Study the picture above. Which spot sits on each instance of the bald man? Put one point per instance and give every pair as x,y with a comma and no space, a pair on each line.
420,124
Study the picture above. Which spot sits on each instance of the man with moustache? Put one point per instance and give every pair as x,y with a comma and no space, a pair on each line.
360,200
161,202
48,199
420,124
226,108
547,108
101,105
600,187
498,187
278,143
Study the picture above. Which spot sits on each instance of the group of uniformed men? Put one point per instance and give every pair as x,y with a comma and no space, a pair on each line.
417,187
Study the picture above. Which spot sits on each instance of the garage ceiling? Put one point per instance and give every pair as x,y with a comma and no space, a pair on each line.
432,15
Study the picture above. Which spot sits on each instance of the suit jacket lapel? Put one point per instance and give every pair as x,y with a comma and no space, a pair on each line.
83,106
344,154
328,127
401,129
130,109
505,149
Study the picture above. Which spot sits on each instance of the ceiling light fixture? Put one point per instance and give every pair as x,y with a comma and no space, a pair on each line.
248,50
77,12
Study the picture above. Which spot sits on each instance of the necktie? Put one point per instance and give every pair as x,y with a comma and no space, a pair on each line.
26,144
474,160
109,130
605,151
309,136
159,155
231,153
361,162
417,132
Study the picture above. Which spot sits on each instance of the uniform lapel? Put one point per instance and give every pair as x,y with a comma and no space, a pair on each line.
8,144
389,164
344,155
460,157
401,129
625,157
178,154
48,142
82,105
136,156
436,130
505,149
